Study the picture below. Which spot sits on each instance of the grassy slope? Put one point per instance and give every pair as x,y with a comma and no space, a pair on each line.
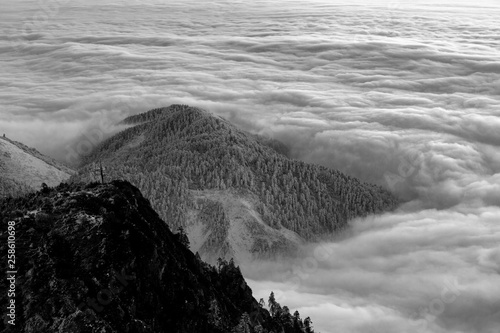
26,168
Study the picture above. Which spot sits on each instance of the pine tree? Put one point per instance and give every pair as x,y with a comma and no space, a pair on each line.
308,325
262,303
274,306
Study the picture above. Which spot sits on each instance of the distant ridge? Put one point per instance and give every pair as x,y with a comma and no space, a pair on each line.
24,169
235,193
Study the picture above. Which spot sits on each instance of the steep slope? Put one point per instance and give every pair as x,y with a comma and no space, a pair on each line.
197,169
24,169
97,258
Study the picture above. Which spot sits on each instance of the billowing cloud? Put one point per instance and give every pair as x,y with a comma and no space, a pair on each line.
426,271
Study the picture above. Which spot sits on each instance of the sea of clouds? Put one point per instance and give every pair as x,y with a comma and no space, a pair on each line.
405,94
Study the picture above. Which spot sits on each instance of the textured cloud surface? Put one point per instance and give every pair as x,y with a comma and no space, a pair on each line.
402,93
429,271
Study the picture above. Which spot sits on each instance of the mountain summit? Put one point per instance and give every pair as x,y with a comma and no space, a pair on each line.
236,194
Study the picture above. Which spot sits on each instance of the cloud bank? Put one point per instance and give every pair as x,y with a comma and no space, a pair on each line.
403,94
427,271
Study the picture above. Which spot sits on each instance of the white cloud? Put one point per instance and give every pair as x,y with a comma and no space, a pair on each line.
393,270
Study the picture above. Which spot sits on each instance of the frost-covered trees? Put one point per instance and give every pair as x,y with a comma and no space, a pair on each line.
170,152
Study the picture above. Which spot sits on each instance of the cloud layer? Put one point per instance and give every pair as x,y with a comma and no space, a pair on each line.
428,271
404,94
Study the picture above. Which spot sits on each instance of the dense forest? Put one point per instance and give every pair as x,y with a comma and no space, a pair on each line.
170,152
97,258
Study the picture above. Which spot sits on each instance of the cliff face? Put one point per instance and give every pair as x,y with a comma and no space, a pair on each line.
97,258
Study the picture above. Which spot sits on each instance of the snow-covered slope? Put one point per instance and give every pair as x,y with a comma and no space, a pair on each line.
23,168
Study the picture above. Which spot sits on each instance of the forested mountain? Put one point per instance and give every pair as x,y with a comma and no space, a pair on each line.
24,169
97,258
234,192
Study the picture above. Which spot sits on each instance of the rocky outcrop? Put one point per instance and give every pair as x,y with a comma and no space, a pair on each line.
97,258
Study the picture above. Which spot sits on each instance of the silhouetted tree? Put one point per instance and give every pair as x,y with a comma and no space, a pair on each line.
308,325
262,303
182,237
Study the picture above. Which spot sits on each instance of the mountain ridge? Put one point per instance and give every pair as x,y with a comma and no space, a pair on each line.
175,153
24,169
97,258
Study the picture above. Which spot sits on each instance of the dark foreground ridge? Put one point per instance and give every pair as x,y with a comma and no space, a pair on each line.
97,258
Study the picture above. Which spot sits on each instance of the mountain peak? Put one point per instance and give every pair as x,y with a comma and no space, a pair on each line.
234,192
97,258
163,112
